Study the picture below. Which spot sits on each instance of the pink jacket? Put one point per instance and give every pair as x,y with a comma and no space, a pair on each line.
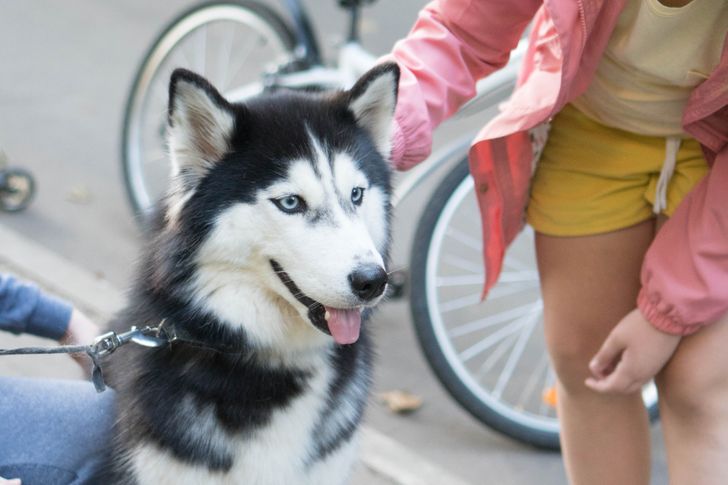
456,42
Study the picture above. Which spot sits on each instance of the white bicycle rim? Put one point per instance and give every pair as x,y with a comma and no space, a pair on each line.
147,166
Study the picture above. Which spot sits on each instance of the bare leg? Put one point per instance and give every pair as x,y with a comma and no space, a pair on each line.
694,408
589,283
693,390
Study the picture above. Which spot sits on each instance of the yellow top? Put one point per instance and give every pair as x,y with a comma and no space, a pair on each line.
654,59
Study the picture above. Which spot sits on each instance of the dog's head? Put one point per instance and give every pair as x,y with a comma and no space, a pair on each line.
283,202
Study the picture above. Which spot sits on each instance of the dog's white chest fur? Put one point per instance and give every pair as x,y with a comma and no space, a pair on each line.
275,454
274,467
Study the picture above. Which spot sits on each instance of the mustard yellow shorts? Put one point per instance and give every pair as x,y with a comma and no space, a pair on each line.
593,179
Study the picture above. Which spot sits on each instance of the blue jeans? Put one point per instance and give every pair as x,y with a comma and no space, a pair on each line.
53,432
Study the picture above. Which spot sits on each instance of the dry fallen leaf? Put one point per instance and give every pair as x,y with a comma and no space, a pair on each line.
80,194
400,401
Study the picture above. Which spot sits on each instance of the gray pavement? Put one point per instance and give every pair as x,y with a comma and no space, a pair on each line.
67,68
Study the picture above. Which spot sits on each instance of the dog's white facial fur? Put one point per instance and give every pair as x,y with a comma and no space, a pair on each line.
319,249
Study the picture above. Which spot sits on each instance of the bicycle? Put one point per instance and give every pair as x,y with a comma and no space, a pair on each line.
17,187
511,388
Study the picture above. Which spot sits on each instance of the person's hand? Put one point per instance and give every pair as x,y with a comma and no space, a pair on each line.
81,331
633,353
12,481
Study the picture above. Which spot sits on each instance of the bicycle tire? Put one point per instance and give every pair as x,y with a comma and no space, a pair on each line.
10,201
543,437
139,195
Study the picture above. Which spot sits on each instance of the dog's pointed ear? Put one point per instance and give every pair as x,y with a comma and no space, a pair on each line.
201,123
373,99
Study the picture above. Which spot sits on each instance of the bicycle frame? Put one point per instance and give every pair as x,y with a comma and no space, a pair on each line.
353,61
308,48
307,42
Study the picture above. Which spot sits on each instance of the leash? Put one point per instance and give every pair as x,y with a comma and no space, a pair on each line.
106,344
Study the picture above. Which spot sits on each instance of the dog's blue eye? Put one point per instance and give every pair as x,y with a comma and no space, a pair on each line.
290,204
357,195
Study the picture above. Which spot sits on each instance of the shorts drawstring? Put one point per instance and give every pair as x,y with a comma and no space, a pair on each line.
672,145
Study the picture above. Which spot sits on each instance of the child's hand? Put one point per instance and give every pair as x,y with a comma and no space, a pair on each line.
633,353
5,481
81,331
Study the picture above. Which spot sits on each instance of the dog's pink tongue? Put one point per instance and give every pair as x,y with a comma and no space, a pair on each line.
344,325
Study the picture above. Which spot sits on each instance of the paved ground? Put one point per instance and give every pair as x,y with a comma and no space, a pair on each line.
66,72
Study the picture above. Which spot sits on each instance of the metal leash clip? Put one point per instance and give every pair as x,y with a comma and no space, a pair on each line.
146,337
107,343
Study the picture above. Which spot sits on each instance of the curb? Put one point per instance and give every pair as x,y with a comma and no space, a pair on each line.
100,299
58,275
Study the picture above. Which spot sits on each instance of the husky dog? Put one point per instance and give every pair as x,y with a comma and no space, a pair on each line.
272,240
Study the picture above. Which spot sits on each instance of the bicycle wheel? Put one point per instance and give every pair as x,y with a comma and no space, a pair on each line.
231,44
491,355
17,188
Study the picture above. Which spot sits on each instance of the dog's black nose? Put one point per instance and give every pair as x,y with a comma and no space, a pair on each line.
368,281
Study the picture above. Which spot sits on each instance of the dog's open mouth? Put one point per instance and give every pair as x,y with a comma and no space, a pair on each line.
342,324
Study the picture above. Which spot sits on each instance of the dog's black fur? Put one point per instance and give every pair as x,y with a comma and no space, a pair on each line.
227,370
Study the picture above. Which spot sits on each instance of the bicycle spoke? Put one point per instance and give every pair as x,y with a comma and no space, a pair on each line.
489,341
507,372
495,356
499,291
513,276
513,259
460,303
532,381
187,62
223,58
477,279
173,60
461,280
492,320
462,263
250,48
510,261
465,239
201,51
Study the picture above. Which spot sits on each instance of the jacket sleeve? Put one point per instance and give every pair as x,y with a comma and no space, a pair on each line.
25,309
453,44
685,271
